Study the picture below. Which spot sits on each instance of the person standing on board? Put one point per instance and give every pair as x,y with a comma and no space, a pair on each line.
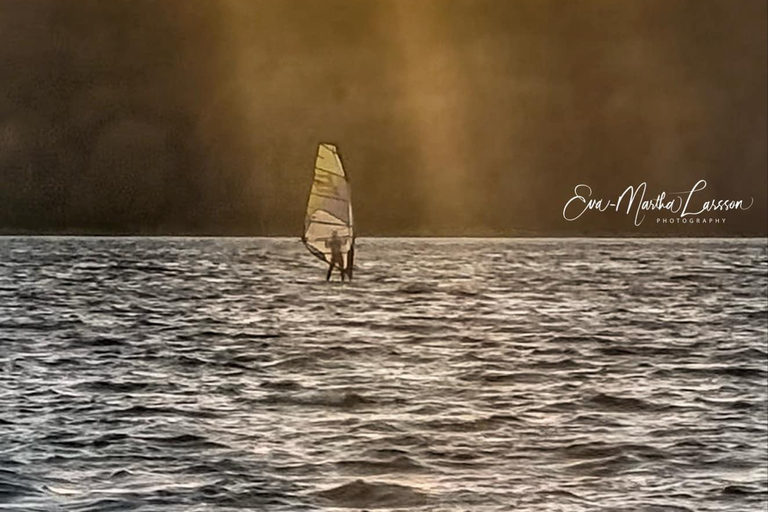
334,244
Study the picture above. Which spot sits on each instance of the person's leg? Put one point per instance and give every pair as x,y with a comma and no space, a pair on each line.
330,269
350,262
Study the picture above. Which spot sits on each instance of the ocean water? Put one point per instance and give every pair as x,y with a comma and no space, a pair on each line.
185,374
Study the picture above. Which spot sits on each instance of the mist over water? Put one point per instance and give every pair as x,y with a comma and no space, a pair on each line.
460,117
451,375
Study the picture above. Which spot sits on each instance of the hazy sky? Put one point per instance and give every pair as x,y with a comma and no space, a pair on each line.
452,116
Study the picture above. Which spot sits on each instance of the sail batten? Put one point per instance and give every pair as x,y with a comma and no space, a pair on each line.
326,196
328,171
329,208
330,223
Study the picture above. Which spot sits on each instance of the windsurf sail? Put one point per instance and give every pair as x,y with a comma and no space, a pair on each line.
329,209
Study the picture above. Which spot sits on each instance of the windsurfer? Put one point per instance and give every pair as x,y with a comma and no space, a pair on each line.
334,244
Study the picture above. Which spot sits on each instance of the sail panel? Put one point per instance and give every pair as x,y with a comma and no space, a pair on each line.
328,160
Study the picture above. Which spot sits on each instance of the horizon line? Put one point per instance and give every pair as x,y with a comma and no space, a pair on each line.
413,237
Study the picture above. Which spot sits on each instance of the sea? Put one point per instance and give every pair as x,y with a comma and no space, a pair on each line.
477,375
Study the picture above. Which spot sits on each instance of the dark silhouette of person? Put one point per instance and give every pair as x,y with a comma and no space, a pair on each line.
337,260
351,260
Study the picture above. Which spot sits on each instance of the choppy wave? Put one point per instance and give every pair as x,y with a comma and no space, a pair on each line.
452,375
